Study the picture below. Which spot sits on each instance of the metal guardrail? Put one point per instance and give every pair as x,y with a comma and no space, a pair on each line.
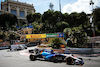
82,50
4,47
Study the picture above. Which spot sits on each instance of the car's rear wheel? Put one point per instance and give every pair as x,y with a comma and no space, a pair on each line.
32,57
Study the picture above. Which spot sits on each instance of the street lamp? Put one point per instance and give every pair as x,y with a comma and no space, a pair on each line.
60,14
91,3
91,18
51,6
91,21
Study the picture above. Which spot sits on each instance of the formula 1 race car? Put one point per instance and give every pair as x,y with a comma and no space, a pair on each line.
48,54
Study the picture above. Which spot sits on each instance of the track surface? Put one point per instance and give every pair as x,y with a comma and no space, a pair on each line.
21,59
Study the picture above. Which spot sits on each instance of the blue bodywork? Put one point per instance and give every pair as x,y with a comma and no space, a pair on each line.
48,54
45,53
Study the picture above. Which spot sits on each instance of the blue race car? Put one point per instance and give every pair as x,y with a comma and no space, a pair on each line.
47,54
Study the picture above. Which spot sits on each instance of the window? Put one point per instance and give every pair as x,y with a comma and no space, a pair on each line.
22,14
14,12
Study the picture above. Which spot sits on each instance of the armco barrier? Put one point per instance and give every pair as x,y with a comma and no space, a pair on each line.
82,50
96,50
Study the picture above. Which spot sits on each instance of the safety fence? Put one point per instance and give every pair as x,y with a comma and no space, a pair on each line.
82,50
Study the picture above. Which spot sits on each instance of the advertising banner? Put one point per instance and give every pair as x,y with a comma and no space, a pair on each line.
55,35
30,26
35,36
51,35
60,35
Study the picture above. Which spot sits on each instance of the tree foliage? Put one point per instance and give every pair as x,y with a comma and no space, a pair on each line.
77,19
37,17
37,27
51,20
7,20
48,19
62,24
29,18
33,17
96,16
77,35
56,42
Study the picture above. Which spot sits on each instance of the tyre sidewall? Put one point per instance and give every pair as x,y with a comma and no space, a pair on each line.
32,57
69,61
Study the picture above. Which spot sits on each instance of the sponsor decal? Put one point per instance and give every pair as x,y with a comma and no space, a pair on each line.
51,35
35,36
61,35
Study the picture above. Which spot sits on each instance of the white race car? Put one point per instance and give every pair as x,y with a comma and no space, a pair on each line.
71,60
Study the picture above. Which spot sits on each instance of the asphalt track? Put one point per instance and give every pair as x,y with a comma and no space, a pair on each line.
21,59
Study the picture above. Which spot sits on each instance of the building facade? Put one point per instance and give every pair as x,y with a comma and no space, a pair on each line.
20,9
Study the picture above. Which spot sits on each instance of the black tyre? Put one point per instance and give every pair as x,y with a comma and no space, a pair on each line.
69,61
32,57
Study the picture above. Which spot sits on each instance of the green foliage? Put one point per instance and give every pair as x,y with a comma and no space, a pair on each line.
8,36
48,21
96,16
56,42
37,27
29,18
7,20
63,24
37,17
77,19
33,17
77,35
51,21
2,35
70,44
67,30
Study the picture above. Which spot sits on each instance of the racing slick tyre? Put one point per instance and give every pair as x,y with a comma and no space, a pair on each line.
69,61
32,57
